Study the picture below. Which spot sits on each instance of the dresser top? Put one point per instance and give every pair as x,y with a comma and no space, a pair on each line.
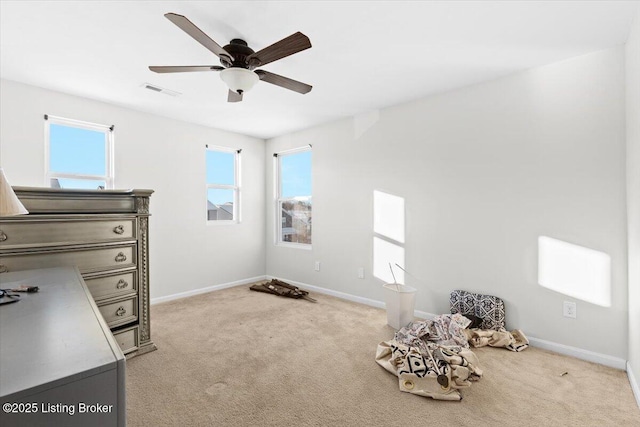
51,337
43,200
60,192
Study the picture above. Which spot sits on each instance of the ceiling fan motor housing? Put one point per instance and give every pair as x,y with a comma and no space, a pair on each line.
239,50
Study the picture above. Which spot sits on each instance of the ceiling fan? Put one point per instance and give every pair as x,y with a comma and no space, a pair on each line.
239,61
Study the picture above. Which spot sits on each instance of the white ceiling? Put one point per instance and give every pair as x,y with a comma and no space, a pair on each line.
365,55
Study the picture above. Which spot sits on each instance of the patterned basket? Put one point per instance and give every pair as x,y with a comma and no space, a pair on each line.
487,307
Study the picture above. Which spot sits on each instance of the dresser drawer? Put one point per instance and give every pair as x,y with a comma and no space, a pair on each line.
120,312
64,232
112,286
88,260
127,339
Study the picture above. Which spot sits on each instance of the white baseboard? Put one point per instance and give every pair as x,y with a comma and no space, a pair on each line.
348,297
337,294
634,384
424,314
590,356
579,353
205,290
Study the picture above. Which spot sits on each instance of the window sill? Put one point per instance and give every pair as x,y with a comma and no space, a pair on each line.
217,223
303,246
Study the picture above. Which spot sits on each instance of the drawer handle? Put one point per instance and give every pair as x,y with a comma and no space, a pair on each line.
118,230
122,284
121,257
3,236
3,268
121,311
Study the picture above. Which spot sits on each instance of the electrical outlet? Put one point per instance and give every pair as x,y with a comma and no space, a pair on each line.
360,273
569,309
317,266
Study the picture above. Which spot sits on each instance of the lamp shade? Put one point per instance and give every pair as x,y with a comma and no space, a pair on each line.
9,203
239,80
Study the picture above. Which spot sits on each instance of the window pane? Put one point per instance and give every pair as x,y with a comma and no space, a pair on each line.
295,175
77,151
85,184
220,204
220,167
296,221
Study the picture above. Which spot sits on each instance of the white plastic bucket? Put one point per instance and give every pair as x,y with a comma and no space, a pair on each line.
400,301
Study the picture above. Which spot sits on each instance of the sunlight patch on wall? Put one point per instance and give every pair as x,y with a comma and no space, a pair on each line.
574,270
388,216
388,239
385,252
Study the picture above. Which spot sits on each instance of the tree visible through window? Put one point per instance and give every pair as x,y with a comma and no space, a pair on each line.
294,213
79,154
223,187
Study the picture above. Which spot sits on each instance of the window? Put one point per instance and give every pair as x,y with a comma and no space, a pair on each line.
223,185
78,154
293,197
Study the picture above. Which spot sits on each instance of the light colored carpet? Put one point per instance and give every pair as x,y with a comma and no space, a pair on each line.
242,358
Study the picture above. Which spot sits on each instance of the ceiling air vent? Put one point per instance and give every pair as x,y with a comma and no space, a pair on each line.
160,89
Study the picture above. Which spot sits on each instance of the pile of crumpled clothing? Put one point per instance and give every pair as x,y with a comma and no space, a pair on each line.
432,357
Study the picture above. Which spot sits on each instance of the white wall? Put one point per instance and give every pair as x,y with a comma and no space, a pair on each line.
633,193
484,171
161,154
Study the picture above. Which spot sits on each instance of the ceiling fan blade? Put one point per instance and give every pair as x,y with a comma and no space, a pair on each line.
288,46
233,96
284,82
184,68
190,28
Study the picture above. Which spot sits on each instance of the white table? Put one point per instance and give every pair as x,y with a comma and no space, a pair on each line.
59,362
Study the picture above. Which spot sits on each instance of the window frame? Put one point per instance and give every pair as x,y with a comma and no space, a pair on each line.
279,200
236,187
108,130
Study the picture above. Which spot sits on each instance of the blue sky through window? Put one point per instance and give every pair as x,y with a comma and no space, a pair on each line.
220,167
295,170
221,171
77,151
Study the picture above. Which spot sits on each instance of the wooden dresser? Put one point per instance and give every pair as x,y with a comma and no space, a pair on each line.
105,234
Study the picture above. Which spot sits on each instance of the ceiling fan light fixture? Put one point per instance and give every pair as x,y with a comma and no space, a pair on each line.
239,80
